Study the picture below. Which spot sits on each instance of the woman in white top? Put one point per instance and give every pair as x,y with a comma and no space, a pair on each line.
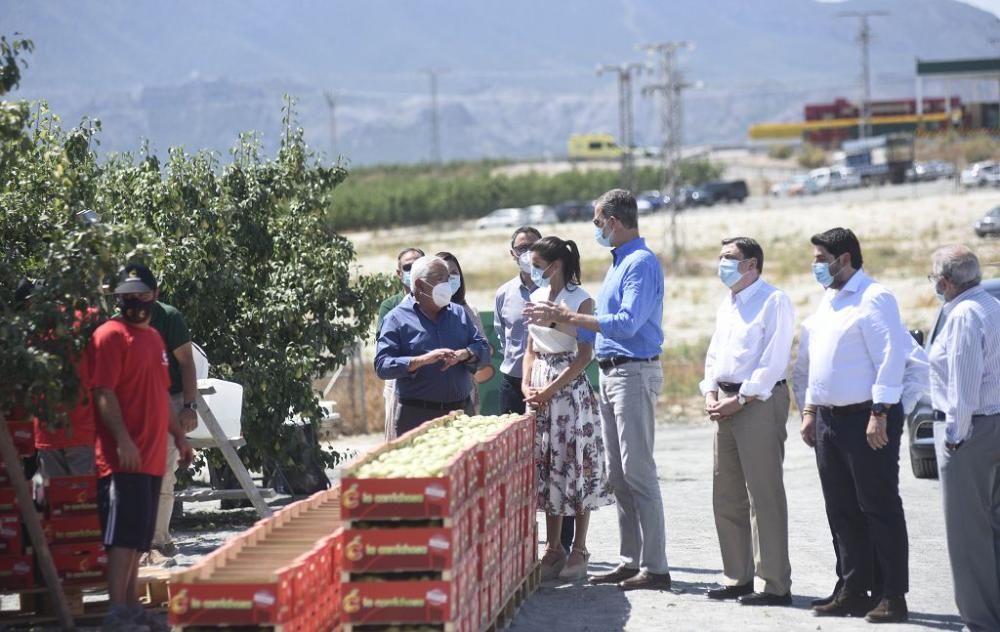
572,477
457,281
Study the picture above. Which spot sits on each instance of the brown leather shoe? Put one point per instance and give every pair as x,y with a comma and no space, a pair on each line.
620,574
845,604
730,592
647,581
889,610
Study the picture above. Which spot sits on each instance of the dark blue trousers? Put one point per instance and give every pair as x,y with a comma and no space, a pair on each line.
861,490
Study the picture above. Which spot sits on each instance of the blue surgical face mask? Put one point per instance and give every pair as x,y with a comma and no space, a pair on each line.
822,273
455,281
729,271
538,276
406,279
601,238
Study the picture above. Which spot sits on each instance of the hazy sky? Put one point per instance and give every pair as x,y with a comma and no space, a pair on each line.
989,5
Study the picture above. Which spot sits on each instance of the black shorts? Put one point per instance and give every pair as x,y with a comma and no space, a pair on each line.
127,504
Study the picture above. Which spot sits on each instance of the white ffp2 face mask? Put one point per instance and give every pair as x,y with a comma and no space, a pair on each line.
441,294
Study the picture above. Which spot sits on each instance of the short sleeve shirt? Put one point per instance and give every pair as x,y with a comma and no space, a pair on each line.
132,362
169,321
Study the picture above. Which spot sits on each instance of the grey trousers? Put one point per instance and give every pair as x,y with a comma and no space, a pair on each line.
165,509
748,494
628,416
970,488
78,461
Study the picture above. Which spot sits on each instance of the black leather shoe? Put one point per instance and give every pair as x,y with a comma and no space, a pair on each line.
766,599
831,597
730,592
845,604
889,610
616,576
647,581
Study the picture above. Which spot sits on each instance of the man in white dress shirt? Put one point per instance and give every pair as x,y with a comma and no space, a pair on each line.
746,394
965,393
848,381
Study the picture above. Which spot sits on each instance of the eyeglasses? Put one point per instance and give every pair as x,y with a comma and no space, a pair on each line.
406,267
933,278
520,250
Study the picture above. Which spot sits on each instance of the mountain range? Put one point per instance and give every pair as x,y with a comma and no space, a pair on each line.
515,78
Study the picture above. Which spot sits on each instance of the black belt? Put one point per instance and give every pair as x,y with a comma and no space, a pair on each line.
734,387
423,403
850,409
940,416
613,361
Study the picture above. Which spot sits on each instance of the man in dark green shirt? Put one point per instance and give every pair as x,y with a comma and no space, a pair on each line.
169,321
404,260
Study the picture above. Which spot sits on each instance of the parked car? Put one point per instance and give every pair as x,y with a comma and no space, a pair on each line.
727,191
538,214
920,422
649,202
929,171
989,224
846,178
500,218
573,210
981,174
802,185
694,196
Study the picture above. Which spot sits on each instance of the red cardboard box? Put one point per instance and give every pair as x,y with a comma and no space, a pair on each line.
229,604
71,494
398,602
23,433
79,563
17,571
8,500
73,528
400,549
11,542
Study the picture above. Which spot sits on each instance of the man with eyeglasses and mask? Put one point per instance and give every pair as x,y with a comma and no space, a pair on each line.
746,394
849,380
430,347
404,263
508,320
628,322
131,383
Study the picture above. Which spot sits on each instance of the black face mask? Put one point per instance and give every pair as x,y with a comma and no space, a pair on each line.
135,311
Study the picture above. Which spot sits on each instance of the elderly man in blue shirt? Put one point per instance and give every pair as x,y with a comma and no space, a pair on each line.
430,347
627,319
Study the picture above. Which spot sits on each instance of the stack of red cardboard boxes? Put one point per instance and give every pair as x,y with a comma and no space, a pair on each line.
73,529
449,549
280,572
17,568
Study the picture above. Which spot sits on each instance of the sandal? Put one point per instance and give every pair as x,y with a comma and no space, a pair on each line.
576,565
552,563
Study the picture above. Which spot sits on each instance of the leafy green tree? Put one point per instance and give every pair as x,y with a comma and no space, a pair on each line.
240,248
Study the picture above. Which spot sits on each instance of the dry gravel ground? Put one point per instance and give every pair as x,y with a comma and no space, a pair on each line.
684,457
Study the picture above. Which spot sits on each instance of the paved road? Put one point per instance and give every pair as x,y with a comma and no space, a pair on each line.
684,455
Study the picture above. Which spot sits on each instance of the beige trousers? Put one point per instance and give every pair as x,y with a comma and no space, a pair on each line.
748,494
161,535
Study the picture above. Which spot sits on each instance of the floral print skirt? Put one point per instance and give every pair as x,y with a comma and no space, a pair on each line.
569,449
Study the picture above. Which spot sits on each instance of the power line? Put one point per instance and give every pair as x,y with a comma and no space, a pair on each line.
432,75
864,39
670,88
626,122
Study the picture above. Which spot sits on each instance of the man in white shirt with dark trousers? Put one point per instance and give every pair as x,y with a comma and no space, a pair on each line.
848,381
746,394
965,393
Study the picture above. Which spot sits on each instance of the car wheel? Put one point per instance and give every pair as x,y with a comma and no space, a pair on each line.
923,468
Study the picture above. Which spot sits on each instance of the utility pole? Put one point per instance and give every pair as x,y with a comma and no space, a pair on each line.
864,39
432,75
626,125
331,104
670,88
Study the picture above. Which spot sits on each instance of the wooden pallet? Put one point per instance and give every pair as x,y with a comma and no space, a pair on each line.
509,610
37,608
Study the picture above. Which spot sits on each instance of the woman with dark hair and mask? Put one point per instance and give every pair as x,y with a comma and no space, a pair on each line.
457,282
572,477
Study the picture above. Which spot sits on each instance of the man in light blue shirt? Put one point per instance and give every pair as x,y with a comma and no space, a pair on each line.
628,317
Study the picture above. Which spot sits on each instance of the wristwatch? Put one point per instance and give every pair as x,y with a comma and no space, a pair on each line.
190,406
880,410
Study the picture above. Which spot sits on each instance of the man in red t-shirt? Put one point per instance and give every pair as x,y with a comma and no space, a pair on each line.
130,382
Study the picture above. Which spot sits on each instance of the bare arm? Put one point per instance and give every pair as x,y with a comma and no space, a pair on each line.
184,354
526,364
110,413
